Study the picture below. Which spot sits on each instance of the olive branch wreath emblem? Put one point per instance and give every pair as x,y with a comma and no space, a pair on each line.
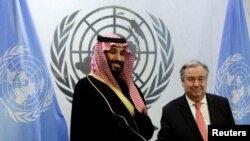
22,116
161,80
238,114
66,83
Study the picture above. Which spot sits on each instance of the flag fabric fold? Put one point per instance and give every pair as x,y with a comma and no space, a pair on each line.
233,69
28,105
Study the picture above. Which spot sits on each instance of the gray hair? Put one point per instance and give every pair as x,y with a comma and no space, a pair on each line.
191,64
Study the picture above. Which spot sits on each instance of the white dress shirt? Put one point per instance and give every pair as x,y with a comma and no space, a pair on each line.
204,109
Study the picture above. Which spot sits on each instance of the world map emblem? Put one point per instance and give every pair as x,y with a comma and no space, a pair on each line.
149,40
26,90
233,82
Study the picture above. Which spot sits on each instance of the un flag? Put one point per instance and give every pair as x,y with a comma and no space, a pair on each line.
233,70
28,106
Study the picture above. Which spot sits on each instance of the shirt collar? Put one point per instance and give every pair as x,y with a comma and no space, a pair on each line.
191,102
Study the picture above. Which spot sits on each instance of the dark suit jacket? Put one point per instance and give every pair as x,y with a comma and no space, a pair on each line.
178,123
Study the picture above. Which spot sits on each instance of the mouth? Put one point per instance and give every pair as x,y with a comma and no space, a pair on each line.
116,67
198,91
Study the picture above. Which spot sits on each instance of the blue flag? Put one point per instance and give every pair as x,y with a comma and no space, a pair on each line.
233,70
28,106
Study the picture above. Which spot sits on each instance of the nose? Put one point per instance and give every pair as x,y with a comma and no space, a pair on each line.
196,82
118,56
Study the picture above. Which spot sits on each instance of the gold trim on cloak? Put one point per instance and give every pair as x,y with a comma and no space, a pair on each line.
124,100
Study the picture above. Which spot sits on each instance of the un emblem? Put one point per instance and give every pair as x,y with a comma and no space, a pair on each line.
233,82
26,90
75,37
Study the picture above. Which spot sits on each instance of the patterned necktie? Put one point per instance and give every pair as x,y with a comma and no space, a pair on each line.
200,121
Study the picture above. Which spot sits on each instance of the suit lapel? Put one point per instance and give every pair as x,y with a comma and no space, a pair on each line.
211,109
187,113
188,116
